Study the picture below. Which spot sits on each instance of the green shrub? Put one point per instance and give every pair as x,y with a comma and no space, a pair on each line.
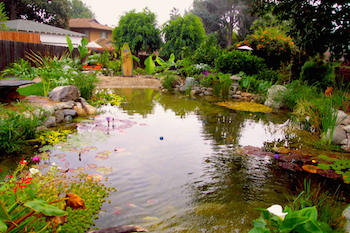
85,82
20,69
317,72
268,75
271,44
207,52
168,79
235,61
297,90
252,83
16,128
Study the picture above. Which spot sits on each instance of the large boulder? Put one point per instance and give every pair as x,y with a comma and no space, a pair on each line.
64,93
275,96
339,135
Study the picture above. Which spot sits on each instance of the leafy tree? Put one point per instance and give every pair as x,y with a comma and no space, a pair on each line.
224,17
3,16
174,13
53,12
315,26
138,30
80,10
182,36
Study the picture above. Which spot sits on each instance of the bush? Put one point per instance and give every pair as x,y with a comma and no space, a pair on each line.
16,128
297,90
317,72
85,82
235,61
207,52
168,79
20,69
271,44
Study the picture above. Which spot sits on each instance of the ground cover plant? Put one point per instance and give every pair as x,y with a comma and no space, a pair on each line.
49,201
17,127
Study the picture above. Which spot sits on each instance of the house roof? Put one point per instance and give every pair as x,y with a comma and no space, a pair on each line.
105,43
32,26
87,23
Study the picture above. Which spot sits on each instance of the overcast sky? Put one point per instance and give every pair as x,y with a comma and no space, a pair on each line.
109,11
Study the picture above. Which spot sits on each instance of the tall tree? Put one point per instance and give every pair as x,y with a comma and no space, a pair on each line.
80,10
183,36
53,12
224,17
174,13
315,25
138,30
3,16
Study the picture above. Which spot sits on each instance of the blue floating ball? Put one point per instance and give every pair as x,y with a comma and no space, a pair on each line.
161,138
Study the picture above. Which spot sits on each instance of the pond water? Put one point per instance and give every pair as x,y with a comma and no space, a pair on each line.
173,161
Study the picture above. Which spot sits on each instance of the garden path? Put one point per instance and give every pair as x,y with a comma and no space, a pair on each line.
128,82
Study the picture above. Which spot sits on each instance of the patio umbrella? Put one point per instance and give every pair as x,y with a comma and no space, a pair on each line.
244,47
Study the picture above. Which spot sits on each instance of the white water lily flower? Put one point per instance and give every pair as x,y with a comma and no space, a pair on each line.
33,171
277,210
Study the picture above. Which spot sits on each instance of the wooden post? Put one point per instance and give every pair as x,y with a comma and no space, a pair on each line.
126,60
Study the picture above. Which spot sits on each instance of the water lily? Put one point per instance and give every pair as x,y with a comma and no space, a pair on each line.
277,210
33,171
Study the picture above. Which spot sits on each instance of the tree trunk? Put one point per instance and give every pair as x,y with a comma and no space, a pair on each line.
230,31
13,12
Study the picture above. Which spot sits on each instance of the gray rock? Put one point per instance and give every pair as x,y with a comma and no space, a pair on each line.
346,121
193,92
50,122
64,105
347,128
59,114
210,89
83,101
48,109
70,112
14,82
344,142
183,89
236,96
190,81
68,118
238,92
207,93
41,128
235,78
338,135
341,116
275,96
64,93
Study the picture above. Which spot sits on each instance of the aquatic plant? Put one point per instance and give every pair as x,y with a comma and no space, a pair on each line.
52,137
301,221
245,106
103,97
340,166
149,65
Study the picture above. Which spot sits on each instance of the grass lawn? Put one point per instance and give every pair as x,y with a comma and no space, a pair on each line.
34,89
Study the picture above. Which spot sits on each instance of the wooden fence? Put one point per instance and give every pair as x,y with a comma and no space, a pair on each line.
11,51
20,36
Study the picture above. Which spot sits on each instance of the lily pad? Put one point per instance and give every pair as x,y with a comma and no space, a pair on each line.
104,170
45,208
60,156
245,106
310,168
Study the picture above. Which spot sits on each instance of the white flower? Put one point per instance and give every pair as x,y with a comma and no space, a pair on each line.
277,210
33,171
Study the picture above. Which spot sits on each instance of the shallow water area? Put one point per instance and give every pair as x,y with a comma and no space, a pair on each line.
173,161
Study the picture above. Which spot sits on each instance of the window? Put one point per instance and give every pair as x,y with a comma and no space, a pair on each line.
103,35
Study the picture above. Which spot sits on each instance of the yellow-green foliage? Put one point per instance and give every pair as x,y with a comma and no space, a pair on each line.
53,137
245,106
104,97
